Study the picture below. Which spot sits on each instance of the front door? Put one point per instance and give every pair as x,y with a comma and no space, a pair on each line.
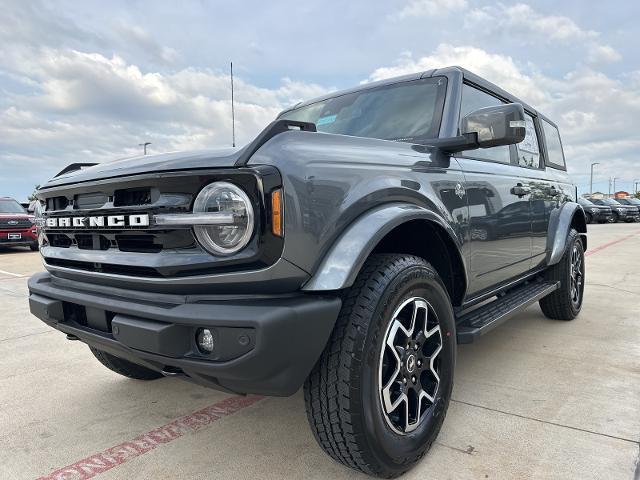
498,197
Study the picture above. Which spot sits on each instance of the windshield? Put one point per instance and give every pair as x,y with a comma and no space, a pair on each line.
11,206
610,201
584,201
406,111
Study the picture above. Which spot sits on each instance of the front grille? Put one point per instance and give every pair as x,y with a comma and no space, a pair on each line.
153,251
21,224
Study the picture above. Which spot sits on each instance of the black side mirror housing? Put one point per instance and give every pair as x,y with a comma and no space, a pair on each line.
487,127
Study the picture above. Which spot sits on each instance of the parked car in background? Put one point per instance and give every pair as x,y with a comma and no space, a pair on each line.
621,213
17,227
595,213
631,201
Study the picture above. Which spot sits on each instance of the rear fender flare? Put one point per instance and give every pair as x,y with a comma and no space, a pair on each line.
341,265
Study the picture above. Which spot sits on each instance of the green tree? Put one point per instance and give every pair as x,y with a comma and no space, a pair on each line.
32,197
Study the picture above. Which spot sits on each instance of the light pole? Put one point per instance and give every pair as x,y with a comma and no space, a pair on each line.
591,183
144,146
614,185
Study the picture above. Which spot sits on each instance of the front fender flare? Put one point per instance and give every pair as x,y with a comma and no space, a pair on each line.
341,265
560,223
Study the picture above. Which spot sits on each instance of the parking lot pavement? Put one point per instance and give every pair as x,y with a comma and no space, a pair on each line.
536,398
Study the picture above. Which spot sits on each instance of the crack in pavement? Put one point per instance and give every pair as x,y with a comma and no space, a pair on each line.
636,442
617,289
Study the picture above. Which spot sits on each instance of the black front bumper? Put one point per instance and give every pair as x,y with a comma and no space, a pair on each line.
264,345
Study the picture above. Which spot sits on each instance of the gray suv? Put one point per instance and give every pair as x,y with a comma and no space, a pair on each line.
346,250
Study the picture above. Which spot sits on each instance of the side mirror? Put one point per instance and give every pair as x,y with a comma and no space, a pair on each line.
488,127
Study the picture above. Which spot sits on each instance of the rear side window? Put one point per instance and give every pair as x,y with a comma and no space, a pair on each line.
473,99
555,157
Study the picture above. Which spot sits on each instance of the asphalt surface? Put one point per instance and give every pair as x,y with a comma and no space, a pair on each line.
535,398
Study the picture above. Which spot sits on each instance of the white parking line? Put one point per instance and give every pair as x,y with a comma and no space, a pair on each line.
11,273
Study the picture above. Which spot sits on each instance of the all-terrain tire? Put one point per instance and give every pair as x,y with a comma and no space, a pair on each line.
562,304
124,367
343,392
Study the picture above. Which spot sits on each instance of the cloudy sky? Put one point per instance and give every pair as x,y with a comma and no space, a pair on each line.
87,81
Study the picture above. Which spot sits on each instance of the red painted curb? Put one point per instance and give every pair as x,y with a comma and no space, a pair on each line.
112,457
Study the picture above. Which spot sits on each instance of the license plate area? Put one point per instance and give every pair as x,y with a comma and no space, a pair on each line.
14,236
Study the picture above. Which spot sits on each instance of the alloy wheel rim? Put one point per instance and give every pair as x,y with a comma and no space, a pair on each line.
576,276
409,366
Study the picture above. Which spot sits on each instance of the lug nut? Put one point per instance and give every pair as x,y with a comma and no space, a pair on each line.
419,363
404,380
413,379
415,347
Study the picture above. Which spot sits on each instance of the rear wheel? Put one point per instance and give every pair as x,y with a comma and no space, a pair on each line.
124,367
566,302
379,393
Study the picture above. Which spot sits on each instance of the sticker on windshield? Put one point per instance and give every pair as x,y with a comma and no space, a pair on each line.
326,120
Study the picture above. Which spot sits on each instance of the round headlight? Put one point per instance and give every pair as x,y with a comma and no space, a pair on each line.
224,197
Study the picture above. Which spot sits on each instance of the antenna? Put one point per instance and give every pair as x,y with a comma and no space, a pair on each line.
233,113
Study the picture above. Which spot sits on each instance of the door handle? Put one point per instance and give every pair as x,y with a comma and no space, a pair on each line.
520,190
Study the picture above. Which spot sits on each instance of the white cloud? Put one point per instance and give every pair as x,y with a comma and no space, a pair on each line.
603,54
430,8
86,106
499,69
521,20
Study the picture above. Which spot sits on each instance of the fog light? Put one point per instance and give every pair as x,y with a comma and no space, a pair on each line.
204,338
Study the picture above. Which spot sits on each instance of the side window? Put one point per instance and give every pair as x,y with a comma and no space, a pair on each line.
528,150
473,99
555,157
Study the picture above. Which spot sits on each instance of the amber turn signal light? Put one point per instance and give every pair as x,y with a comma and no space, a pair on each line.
276,213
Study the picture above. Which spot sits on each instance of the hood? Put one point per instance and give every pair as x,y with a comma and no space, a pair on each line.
17,216
222,157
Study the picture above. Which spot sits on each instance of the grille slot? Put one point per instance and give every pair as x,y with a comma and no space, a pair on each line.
57,203
90,200
138,243
92,242
59,240
132,197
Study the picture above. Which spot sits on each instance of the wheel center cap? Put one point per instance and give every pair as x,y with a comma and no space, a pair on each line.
411,363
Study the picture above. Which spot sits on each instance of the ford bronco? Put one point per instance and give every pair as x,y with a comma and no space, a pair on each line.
347,249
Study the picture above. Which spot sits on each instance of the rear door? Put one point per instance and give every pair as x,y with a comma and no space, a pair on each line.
499,206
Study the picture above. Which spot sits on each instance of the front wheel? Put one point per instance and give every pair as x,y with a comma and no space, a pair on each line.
614,218
566,302
378,395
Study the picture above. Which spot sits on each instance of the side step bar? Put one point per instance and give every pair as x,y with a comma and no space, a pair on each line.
489,316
